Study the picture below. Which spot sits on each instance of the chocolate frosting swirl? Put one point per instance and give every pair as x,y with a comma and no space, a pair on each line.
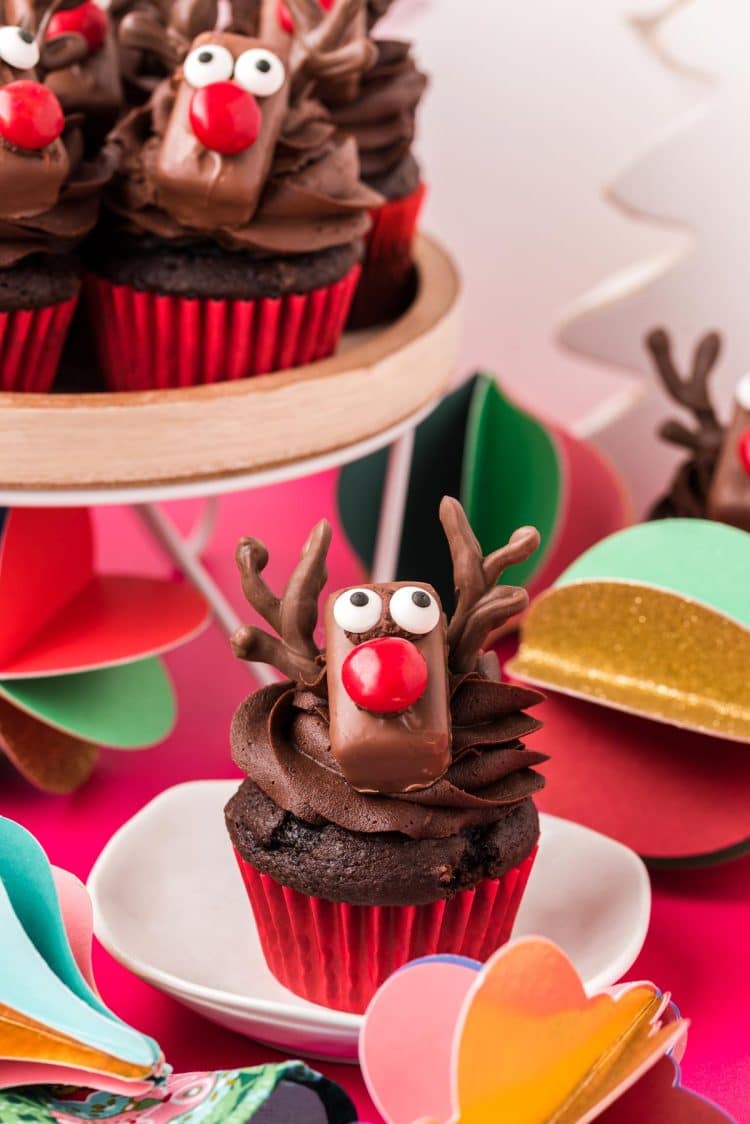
382,118
33,226
280,740
313,198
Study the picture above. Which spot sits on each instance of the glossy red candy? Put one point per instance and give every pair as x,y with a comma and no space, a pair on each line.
743,450
225,118
87,19
385,676
31,117
285,16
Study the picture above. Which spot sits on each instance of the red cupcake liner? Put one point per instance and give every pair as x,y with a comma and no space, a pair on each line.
338,955
31,340
394,225
388,269
148,341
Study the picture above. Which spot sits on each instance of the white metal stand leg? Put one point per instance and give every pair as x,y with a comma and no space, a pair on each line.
185,552
392,509
202,533
183,555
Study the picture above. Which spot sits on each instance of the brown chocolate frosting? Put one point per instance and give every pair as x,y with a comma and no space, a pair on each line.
52,218
382,117
280,740
312,200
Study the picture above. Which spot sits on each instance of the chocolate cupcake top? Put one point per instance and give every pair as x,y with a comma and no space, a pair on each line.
49,193
382,117
233,148
401,725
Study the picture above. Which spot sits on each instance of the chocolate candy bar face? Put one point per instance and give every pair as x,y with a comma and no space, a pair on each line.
386,659
729,495
206,188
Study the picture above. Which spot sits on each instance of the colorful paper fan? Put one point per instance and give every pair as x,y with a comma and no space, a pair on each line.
78,649
517,1039
65,1057
509,469
654,620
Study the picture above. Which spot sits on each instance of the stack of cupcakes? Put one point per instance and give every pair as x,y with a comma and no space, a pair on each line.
253,180
387,812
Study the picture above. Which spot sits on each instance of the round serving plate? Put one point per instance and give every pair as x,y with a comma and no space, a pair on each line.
169,904
373,383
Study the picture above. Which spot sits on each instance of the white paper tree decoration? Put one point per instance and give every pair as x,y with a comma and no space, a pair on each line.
695,180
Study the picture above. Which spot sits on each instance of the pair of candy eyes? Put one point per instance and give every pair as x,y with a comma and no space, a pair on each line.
411,608
258,71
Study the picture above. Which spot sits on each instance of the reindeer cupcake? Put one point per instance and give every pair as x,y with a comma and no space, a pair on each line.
713,482
387,811
49,200
378,107
237,217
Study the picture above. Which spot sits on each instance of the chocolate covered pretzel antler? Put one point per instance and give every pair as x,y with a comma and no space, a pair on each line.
481,605
293,616
689,488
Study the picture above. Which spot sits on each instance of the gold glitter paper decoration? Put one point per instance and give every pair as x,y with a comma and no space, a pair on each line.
640,649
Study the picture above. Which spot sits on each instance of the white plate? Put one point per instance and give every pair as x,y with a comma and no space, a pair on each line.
170,905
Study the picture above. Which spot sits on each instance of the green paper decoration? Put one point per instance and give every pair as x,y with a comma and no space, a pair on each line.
478,446
129,706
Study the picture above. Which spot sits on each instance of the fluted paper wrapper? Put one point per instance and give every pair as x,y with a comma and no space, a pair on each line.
31,340
338,955
387,281
153,341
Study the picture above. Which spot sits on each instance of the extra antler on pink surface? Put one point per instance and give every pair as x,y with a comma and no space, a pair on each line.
482,606
691,392
294,616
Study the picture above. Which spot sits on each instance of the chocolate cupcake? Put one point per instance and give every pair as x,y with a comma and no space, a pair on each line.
378,107
236,219
387,811
49,200
90,85
382,119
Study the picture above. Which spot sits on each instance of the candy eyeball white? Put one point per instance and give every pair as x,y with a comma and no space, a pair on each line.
207,64
103,4
18,48
260,72
742,393
414,609
357,610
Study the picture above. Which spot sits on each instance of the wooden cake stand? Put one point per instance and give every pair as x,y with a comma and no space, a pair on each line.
139,448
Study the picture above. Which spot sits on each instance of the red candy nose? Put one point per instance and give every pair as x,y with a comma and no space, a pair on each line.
385,675
31,117
225,118
87,19
743,449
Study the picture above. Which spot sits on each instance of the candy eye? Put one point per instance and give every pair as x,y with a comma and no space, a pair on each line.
414,609
103,4
208,64
357,610
742,393
260,72
18,48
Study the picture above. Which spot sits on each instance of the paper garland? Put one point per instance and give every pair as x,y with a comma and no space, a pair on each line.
509,469
517,1039
79,650
65,1057
654,620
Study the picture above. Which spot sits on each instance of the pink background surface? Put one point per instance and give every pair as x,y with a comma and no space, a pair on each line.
697,945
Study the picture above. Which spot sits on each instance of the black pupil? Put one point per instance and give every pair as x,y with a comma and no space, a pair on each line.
359,599
206,56
421,599
263,65
26,36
